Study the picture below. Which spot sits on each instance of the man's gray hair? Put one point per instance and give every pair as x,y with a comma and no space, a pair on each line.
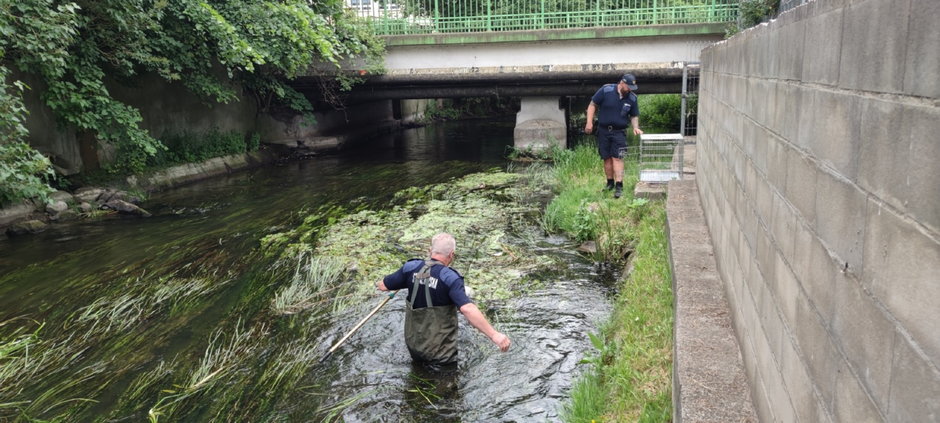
443,244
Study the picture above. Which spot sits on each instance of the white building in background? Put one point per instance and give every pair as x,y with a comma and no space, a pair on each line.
374,8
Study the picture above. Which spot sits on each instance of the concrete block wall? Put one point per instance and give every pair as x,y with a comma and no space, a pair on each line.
819,172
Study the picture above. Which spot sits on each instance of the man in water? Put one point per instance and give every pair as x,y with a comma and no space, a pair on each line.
435,293
617,108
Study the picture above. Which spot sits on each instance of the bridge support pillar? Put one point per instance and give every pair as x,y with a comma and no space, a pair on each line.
540,124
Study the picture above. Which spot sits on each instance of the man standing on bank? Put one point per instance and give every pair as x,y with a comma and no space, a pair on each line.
435,293
616,109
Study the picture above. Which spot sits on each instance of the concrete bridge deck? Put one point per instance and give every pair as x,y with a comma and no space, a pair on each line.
529,63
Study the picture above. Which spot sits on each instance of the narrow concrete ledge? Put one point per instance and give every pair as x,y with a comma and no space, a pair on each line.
649,190
709,383
192,172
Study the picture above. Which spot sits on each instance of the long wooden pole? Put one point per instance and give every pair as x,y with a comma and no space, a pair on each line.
359,325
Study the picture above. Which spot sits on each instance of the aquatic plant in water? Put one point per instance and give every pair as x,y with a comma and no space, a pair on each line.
222,358
478,209
315,282
246,370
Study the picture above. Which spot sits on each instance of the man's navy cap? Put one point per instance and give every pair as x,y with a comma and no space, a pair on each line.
630,80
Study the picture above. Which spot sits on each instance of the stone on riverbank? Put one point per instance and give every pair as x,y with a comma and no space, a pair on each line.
88,194
589,247
125,207
56,207
26,227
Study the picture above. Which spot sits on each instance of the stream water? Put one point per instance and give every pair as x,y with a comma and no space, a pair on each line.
207,235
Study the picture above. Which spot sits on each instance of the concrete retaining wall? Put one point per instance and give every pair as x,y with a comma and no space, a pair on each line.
818,172
170,109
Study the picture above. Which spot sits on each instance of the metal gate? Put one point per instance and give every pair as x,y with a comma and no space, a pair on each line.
662,156
689,115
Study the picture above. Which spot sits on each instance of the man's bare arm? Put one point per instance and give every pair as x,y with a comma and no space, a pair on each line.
478,320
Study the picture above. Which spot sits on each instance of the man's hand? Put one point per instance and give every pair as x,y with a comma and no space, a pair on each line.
501,341
589,126
478,320
380,284
637,131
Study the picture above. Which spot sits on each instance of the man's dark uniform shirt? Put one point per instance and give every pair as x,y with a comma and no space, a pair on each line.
613,116
435,292
612,110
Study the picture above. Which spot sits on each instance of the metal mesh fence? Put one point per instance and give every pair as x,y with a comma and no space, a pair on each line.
661,157
398,17
689,113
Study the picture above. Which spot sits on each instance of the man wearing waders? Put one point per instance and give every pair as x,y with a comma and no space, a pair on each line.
435,293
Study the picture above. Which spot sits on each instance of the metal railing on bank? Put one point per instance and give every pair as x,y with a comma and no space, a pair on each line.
401,17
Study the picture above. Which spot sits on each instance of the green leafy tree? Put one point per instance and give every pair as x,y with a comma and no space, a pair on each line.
218,49
752,12
661,112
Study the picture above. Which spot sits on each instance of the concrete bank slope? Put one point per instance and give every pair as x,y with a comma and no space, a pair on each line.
709,383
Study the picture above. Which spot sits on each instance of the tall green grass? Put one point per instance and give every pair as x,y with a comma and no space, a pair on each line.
584,210
629,378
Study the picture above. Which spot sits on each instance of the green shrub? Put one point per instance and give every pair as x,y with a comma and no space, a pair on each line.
192,148
24,173
660,113
752,12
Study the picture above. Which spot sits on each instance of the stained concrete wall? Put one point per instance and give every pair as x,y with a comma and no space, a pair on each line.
170,109
818,172
548,53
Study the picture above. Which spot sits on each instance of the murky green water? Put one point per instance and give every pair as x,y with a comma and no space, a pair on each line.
191,278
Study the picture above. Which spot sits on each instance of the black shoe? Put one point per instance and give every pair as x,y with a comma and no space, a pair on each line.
610,186
618,192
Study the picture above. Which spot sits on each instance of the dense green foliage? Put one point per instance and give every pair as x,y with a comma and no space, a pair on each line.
190,148
752,12
660,113
215,48
505,7
470,108
24,173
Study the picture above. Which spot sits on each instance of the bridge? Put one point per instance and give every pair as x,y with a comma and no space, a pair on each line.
534,50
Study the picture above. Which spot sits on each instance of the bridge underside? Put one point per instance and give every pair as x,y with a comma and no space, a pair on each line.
536,66
529,63
580,80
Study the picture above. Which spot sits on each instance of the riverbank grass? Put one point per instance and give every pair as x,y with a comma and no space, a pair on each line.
629,374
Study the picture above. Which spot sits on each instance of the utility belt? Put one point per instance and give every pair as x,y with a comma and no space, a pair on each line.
612,128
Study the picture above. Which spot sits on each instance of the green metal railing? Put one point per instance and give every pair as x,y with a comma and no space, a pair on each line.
400,17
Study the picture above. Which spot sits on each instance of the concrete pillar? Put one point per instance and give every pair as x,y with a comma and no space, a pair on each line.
413,111
540,124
